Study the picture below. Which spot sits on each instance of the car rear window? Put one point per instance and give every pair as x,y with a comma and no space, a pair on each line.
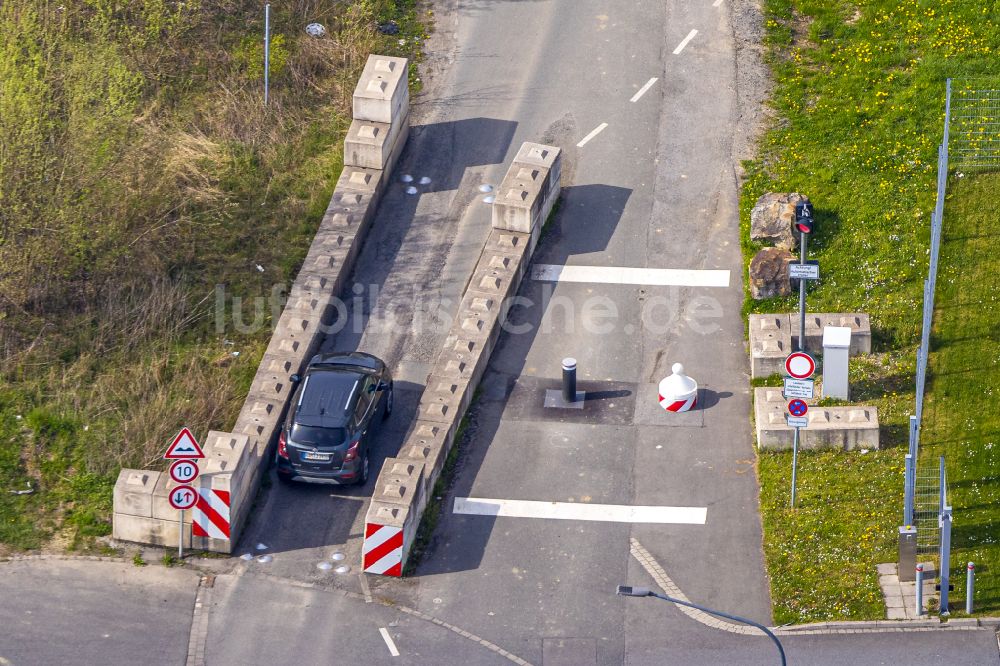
318,437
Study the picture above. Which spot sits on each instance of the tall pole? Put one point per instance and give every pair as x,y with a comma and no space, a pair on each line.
795,462
180,536
802,294
802,347
267,49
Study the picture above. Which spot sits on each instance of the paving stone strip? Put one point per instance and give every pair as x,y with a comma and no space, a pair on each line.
661,578
199,622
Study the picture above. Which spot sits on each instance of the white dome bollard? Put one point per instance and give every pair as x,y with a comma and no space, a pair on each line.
678,392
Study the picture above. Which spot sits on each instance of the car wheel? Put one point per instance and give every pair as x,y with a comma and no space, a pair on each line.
388,403
363,477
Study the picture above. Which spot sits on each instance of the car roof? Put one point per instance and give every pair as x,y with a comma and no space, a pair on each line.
328,397
358,360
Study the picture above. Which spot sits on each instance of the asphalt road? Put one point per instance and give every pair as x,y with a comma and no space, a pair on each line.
655,189
83,612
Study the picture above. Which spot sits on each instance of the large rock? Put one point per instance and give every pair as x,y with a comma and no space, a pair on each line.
772,219
769,273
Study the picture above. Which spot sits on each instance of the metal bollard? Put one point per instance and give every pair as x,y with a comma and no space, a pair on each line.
970,582
920,590
569,379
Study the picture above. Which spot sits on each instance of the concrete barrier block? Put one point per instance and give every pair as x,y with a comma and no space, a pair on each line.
133,492
858,322
518,202
770,344
373,145
297,334
349,212
154,531
228,463
442,408
426,444
493,282
548,158
259,420
400,516
382,92
845,428
401,481
363,180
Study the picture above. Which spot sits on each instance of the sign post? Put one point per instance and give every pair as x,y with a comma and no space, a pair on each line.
185,452
804,223
800,366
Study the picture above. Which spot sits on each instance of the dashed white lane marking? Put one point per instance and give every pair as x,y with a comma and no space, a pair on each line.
717,3
680,47
388,641
611,513
642,90
597,130
623,275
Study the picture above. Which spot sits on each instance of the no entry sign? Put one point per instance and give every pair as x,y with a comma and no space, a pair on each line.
800,365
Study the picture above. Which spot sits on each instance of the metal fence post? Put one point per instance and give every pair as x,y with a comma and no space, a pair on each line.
919,610
945,558
267,50
970,581
908,491
942,500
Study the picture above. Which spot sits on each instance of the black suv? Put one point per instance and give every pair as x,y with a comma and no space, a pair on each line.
328,433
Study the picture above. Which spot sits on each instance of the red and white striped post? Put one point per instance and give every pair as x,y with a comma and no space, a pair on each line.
678,392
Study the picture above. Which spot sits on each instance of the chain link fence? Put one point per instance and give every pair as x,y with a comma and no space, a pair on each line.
975,126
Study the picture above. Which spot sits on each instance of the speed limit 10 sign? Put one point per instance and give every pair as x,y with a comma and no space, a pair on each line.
184,471
183,497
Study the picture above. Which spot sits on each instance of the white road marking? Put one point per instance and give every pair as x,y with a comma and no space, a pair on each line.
597,130
642,90
622,275
717,3
680,47
612,513
388,641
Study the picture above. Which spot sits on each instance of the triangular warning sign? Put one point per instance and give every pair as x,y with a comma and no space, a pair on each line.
184,447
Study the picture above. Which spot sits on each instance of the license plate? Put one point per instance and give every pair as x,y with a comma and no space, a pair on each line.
315,456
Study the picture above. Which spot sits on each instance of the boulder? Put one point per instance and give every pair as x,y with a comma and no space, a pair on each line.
769,273
772,219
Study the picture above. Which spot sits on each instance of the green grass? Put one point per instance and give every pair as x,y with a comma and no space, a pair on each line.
845,505
858,102
961,421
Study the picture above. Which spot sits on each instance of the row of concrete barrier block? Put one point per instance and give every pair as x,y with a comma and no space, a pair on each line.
843,428
774,336
404,485
234,462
